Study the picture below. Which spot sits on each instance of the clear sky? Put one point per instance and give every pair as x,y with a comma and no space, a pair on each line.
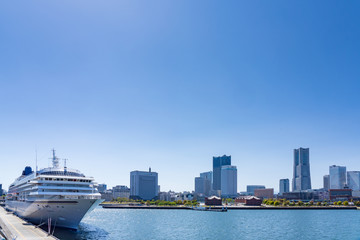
117,86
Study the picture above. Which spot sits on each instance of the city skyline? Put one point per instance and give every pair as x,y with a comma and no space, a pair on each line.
168,85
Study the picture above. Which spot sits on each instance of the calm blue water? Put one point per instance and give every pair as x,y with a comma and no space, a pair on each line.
235,224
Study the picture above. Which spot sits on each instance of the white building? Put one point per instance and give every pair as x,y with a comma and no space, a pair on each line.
121,191
353,180
144,185
228,181
337,177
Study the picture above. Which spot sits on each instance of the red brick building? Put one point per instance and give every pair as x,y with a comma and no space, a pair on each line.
213,201
249,200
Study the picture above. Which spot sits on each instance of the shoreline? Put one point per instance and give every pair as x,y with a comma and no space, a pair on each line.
126,206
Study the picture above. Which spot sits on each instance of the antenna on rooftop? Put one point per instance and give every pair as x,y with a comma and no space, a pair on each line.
36,166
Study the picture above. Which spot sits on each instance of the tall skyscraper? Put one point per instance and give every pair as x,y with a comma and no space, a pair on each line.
250,189
353,180
144,185
228,181
337,177
207,175
199,185
284,186
326,182
301,178
218,162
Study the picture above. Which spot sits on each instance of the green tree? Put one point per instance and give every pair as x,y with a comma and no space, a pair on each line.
339,203
346,203
300,203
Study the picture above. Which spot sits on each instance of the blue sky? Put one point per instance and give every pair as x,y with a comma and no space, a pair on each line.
117,86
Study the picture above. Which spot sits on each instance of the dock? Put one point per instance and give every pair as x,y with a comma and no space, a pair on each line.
14,227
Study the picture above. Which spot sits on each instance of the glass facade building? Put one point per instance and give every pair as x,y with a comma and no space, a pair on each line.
218,162
337,177
326,182
301,174
144,185
228,181
284,186
353,180
250,189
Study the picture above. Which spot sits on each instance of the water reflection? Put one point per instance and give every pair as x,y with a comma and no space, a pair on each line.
84,232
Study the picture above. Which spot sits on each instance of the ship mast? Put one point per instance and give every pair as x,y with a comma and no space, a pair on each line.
55,160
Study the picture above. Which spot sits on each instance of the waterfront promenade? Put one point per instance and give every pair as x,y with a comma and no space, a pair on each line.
14,227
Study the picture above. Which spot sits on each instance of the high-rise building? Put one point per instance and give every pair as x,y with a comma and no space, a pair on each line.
337,177
228,181
301,178
353,180
207,175
284,186
199,185
250,189
218,162
144,185
326,182
1,190
203,183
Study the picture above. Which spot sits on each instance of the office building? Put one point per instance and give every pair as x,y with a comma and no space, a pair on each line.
250,189
337,177
144,185
208,176
218,162
340,194
353,180
228,181
326,182
102,188
121,191
301,174
284,186
1,190
107,195
203,184
264,193
199,185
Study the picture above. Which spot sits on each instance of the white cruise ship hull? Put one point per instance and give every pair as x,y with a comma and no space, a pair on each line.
65,213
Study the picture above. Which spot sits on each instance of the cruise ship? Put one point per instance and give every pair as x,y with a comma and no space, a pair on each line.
55,196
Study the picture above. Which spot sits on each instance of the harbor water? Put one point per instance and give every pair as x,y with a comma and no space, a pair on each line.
235,224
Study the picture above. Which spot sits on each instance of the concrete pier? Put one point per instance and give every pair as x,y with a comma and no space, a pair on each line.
16,228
